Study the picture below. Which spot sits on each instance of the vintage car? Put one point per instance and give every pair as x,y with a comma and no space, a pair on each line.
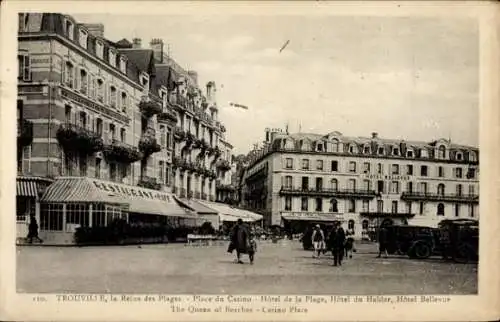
459,240
414,241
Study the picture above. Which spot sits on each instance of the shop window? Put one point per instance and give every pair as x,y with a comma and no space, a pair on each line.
334,205
77,214
440,209
51,217
335,166
289,163
304,204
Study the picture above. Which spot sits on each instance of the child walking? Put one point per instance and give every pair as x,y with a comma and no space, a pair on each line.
252,247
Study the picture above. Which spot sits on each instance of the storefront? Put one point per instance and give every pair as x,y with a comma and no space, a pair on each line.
298,222
28,192
73,202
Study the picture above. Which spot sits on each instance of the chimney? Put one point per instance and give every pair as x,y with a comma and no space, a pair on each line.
156,44
96,29
136,43
374,135
194,76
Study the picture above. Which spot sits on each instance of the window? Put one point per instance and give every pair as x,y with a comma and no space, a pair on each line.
288,182
380,206
334,205
69,29
471,211
98,168
395,151
366,167
459,190
305,164
334,184
163,142
67,113
51,217
458,172
472,156
99,125
380,151
83,81
288,203
319,165
319,184
161,169
123,135
112,171
82,121
408,207
351,205
471,173
440,172
380,186
24,162
409,169
424,153
304,204
112,57
366,205
319,204
305,183
421,207
24,67
351,184
352,166
350,224
112,96
394,187
423,171
289,163
366,185
471,190
112,131
441,152
353,149
457,210
395,169
409,187
459,156
366,149
123,64
423,187
144,80
68,74
83,38
167,178
99,49
82,165
364,224
409,154
335,166
169,138
100,90
319,147
335,146
379,168
440,209
123,102
440,189
394,207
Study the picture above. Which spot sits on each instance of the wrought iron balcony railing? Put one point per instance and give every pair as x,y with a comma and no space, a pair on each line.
75,137
465,198
327,192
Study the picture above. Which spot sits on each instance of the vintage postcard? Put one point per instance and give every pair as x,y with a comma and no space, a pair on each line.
281,161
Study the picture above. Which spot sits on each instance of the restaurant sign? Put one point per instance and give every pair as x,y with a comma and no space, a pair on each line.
387,177
128,191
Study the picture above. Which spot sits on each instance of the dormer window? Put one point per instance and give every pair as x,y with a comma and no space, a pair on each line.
352,148
424,153
380,151
99,49
395,151
112,57
320,147
164,98
472,156
409,154
459,156
83,38
144,80
123,65
69,29
441,152
366,149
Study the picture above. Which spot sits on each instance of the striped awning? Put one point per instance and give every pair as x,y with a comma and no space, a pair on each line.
196,206
26,188
226,212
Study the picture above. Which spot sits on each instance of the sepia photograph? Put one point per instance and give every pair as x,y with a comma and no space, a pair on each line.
229,154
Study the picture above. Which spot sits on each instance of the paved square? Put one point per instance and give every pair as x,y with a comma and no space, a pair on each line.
282,268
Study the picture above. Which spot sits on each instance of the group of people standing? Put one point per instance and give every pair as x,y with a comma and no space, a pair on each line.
243,242
338,241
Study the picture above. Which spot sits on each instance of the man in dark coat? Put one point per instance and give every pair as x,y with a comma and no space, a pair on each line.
336,242
33,230
239,240
382,242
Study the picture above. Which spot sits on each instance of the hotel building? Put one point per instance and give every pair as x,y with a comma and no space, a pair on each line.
108,130
361,181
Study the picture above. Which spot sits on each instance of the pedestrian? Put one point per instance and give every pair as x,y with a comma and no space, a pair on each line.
252,247
318,241
33,230
382,242
336,241
239,240
349,244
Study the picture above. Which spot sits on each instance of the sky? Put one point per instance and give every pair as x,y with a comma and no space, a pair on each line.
411,78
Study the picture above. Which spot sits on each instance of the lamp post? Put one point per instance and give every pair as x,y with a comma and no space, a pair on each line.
39,192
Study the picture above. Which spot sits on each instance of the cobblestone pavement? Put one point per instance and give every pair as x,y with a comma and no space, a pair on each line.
282,268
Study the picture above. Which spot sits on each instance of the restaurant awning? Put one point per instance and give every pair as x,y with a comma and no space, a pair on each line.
252,214
195,206
139,200
226,212
311,217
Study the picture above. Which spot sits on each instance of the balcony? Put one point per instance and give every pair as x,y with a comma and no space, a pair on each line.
75,137
148,144
149,182
381,214
167,116
179,134
200,144
149,107
189,138
224,165
216,152
24,133
325,192
122,152
179,100
426,196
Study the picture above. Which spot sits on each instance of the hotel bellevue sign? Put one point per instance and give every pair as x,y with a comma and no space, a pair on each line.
129,191
394,177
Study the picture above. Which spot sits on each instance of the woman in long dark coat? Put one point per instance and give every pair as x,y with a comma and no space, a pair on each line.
239,240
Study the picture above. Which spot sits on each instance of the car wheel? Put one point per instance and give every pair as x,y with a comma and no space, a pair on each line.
463,254
422,251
